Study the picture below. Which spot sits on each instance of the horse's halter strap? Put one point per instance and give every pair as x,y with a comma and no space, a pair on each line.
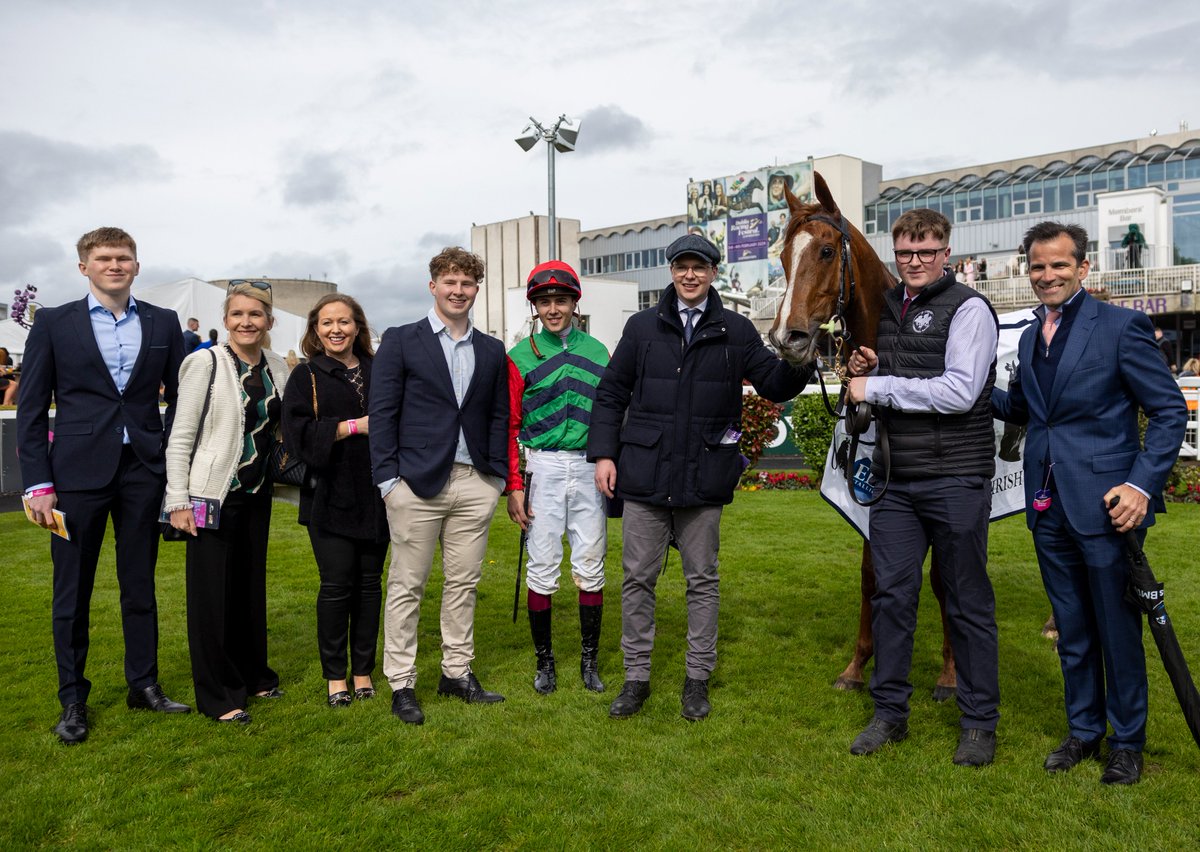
845,275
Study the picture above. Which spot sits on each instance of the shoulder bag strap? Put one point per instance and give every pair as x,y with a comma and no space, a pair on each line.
212,380
313,378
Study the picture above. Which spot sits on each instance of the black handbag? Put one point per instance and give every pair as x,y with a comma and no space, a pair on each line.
169,533
285,467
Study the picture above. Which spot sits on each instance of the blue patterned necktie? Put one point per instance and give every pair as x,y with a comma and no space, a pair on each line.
690,325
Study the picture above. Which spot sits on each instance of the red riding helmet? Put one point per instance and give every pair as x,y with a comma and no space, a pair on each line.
552,278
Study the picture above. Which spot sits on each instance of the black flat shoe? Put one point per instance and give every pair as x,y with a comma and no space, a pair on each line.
340,699
362,693
273,692
241,717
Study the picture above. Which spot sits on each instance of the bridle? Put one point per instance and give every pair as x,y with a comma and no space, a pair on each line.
857,416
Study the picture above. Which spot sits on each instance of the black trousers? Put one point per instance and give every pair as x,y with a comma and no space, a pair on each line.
348,601
227,606
133,499
949,514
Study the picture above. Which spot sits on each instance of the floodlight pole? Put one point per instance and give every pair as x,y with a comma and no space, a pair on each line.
552,139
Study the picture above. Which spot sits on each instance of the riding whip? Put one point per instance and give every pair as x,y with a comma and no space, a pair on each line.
526,482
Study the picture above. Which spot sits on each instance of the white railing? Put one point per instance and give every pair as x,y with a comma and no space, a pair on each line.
1012,293
1191,438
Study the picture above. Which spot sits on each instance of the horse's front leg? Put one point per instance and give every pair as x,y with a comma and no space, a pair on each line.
947,682
864,645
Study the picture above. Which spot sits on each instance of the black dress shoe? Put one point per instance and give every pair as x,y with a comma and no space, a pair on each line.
72,727
340,699
468,689
975,747
1070,753
241,717
362,693
1124,767
877,734
406,708
152,698
695,699
630,699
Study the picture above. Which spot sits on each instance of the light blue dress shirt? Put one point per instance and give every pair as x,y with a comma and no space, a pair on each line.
119,339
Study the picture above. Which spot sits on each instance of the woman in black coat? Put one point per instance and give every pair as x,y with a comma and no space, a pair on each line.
325,422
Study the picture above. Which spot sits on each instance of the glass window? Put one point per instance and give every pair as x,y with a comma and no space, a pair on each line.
989,204
1155,173
1137,176
1174,169
1066,196
1035,206
1004,203
1191,166
1116,181
1049,197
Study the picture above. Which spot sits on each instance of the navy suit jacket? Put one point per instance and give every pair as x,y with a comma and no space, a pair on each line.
1088,423
63,361
415,418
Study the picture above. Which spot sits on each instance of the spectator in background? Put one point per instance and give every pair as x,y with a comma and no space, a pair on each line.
1165,349
1191,368
191,336
983,269
8,379
969,270
210,343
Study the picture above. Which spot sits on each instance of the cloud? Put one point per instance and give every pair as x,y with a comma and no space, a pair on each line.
610,128
435,241
391,295
316,180
297,264
36,172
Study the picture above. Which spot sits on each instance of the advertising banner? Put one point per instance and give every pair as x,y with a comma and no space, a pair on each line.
745,216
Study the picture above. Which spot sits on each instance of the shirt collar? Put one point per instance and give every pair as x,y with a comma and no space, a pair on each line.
700,307
1069,307
93,303
435,322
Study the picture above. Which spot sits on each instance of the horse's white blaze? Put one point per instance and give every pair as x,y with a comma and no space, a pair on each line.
785,309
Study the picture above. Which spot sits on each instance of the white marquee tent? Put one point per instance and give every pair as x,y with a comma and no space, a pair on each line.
190,297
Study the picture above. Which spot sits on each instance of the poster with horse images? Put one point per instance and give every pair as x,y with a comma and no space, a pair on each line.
745,214
1008,484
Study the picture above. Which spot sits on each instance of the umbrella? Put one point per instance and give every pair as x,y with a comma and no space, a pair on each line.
1146,593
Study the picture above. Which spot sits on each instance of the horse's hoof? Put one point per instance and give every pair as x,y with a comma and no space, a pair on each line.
1050,633
847,685
943,693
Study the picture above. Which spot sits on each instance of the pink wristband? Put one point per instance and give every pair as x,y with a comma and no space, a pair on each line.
40,492
352,425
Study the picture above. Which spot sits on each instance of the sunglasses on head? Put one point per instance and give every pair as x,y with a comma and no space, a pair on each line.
555,276
257,285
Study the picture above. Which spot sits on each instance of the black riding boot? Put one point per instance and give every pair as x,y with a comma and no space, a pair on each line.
589,632
546,680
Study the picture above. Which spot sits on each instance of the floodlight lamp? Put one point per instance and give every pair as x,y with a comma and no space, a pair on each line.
529,137
568,132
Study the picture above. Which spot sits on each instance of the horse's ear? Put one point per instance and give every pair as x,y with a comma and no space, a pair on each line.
794,204
825,197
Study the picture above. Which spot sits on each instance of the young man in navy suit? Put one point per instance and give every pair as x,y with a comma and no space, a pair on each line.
1085,370
101,360
439,454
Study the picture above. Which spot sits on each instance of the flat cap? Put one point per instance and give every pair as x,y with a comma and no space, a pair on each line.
694,244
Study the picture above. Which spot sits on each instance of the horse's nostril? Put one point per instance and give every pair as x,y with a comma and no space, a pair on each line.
795,338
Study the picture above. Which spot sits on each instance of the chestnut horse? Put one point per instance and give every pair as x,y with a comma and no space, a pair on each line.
820,284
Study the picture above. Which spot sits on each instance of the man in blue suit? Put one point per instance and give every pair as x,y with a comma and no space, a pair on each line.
1085,370
102,360
439,454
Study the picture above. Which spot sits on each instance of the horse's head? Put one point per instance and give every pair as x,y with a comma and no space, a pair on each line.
812,265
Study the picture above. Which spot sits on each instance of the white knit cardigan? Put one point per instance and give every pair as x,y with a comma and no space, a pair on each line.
212,470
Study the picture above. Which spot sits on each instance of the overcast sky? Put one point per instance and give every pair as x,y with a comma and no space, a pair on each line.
352,140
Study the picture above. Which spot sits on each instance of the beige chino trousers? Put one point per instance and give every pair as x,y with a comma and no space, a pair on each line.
458,517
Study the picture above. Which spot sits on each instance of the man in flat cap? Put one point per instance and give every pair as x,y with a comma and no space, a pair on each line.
664,437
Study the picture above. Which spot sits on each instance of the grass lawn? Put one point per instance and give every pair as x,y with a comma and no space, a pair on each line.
769,769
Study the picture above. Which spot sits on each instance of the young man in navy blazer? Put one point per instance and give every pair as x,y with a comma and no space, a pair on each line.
101,360
1085,369
439,454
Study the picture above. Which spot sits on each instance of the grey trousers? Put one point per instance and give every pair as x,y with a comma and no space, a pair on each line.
646,530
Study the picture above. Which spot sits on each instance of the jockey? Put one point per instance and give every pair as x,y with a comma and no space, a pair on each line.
553,375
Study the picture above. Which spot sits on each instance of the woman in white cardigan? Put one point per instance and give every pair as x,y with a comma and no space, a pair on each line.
226,565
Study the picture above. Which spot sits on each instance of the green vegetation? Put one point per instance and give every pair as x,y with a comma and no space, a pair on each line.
769,769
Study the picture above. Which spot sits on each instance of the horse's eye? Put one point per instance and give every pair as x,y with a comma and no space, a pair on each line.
826,252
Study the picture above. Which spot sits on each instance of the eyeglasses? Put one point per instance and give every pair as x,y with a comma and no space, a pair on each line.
257,285
924,255
696,269
555,276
